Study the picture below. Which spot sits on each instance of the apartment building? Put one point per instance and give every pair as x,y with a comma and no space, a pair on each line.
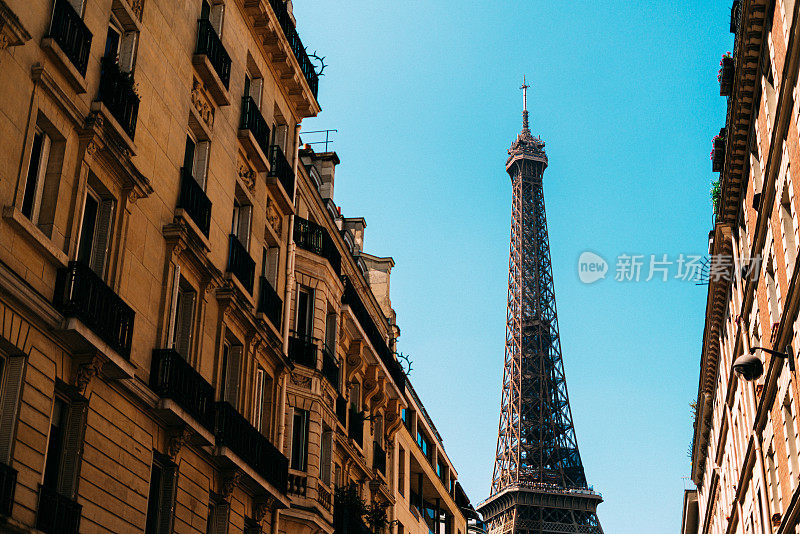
745,447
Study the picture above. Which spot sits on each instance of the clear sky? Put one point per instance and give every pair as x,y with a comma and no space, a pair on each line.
425,97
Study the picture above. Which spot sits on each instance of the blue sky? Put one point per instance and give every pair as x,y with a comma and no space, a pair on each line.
425,97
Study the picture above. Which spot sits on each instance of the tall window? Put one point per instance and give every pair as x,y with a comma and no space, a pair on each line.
195,159
269,265
772,292
95,231
262,403
305,313
787,219
182,320
253,85
214,14
401,470
64,446
790,433
231,370
161,497
240,224
325,456
34,184
120,45
299,439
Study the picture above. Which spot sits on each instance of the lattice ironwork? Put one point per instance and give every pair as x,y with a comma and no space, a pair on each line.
537,451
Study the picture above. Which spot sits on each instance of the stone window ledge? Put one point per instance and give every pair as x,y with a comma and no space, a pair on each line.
75,78
34,236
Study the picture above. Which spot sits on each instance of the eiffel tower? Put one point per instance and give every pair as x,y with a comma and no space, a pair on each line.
538,486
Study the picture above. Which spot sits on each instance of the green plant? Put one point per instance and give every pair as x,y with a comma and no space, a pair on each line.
716,192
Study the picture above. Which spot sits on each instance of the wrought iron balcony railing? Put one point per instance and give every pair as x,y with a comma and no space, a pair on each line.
312,237
280,168
240,264
118,94
341,410
379,458
270,303
210,45
330,369
194,202
303,350
172,377
356,429
348,520
253,121
71,34
236,433
279,7
82,294
57,514
8,485
351,298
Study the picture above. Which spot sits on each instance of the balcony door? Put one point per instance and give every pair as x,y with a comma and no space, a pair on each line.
303,325
195,160
240,223
95,232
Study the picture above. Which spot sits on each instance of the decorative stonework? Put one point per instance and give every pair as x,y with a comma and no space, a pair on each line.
273,216
229,484
300,380
91,148
202,103
247,175
137,6
4,41
176,440
87,371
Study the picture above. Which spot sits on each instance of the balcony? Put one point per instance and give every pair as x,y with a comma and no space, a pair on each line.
356,429
193,200
236,433
330,369
718,152
725,77
312,237
82,294
341,410
8,485
303,351
348,520
212,62
57,514
379,458
74,40
299,51
172,377
281,171
298,485
118,95
269,303
254,133
240,264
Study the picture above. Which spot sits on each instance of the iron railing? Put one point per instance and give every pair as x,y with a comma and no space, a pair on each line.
379,458
82,294
240,264
210,45
71,34
348,520
194,202
341,409
351,298
281,168
8,485
57,514
118,94
303,350
270,303
253,121
236,433
285,21
172,377
312,237
330,369
356,429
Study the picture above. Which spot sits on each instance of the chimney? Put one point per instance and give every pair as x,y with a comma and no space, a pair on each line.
356,226
325,163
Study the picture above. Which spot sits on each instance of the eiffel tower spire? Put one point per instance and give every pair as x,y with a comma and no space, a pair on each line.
538,484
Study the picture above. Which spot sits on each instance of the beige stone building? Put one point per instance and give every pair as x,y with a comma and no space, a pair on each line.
191,338
746,447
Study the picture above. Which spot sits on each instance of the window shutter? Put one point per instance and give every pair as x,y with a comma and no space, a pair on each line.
44,157
258,401
232,375
183,334
14,375
216,17
74,430
78,5
200,167
103,234
173,307
167,504
127,51
219,518
255,90
245,214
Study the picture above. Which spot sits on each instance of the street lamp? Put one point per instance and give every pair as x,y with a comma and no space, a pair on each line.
750,368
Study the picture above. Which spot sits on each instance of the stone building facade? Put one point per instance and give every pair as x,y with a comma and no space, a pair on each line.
191,338
746,448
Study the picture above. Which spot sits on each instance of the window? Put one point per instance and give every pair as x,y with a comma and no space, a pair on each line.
772,292
161,497
95,231
299,439
425,445
231,368
252,88
240,224
12,373
305,313
214,14
441,471
407,416
325,456
330,331
269,265
262,404
120,45
195,159
401,471
65,445
774,482
790,435
787,221
34,184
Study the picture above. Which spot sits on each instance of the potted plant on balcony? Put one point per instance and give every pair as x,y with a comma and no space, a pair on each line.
715,192
725,75
718,152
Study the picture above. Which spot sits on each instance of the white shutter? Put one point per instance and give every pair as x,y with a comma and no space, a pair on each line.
243,230
13,378
41,172
169,484
102,234
74,431
232,375
173,307
255,90
258,400
200,166
127,51
184,321
216,17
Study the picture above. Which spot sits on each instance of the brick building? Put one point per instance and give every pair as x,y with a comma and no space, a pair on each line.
746,448
191,338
